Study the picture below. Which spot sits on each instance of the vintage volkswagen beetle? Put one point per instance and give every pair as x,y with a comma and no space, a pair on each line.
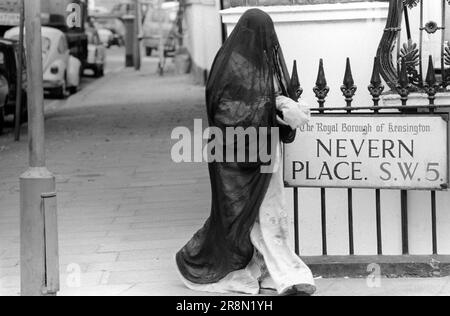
62,71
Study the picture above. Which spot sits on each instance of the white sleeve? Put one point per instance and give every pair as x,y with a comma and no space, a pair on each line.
295,114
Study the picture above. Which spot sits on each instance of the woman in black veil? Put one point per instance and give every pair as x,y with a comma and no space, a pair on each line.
244,245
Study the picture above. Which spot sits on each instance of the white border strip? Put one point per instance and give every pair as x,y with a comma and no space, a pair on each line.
317,12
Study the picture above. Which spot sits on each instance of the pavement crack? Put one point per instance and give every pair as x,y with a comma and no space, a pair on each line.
128,289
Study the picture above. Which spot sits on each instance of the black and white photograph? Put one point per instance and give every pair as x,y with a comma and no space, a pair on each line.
226,154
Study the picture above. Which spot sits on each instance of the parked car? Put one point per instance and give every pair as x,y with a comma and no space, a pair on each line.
96,53
9,53
110,38
159,22
62,72
106,37
118,38
116,26
4,92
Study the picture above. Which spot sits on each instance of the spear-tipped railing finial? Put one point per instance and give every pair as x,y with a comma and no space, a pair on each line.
403,86
348,88
321,89
295,82
431,85
376,86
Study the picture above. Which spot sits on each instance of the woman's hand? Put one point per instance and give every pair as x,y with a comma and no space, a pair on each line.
295,114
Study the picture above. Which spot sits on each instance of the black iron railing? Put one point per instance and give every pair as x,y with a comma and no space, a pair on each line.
410,50
376,88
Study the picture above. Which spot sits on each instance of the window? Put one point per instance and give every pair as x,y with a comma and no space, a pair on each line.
62,47
46,44
3,71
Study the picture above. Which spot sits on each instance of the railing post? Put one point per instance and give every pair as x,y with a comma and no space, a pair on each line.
296,87
403,89
376,88
137,31
421,42
431,87
321,91
444,79
348,90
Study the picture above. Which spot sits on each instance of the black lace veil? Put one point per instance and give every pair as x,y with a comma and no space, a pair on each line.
244,72
240,93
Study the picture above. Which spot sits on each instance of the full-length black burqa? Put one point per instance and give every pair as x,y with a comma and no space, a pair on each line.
240,93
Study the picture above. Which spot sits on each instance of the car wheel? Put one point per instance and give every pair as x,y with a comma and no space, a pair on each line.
61,92
2,119
149,51
73,90
99,71
82,71
160,69
24,110
24,117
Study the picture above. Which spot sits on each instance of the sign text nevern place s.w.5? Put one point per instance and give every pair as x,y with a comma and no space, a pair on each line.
386,151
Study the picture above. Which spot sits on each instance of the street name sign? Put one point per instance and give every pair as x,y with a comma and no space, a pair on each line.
368,151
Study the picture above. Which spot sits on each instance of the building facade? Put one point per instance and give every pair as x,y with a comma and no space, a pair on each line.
203,36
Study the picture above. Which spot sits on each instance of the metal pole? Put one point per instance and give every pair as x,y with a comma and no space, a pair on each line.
421,43
18,114
223,25
35,84
39,262
296,222
408,26
137,34
129,23
161,46
444,79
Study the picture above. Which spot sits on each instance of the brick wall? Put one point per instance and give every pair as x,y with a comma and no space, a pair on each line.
238,3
